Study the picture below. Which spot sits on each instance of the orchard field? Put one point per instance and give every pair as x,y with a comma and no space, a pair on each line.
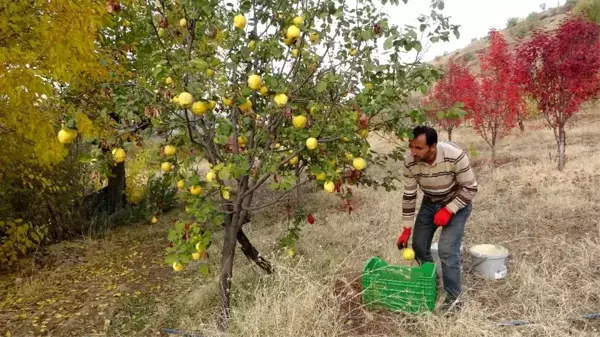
211,168
120,286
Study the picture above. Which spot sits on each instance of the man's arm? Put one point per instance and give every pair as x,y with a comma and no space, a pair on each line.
409,198
465,177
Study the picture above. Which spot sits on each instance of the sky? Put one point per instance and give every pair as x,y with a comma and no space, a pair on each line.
475,17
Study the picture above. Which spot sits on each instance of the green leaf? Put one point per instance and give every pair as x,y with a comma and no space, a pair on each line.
322,86
426,73
157,71
389,42
85,158
205,270
365,34
194,180
171,258
276,52
417,46
185,258
224,174
35,237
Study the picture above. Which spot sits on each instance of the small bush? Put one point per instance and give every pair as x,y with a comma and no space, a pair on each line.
37,204
511,22
472,152
590,9
533,21
531,109
160,196
468,57
519,31
533,16
17,238
567,7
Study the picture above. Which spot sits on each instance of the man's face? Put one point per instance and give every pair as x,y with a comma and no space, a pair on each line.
420,150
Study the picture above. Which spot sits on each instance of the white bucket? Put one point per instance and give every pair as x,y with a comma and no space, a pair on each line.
489,261
436,257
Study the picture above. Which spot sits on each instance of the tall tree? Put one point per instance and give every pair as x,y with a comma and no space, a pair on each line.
453,97
45,47
500,100
266,93
560,69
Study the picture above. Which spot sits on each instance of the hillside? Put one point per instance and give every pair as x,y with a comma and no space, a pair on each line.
517,30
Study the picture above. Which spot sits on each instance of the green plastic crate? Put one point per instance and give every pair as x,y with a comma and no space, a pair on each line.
399,288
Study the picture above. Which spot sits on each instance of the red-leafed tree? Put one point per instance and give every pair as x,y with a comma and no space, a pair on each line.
453,97
561,70
500,100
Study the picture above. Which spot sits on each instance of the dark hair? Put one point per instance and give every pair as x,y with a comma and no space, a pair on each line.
429,132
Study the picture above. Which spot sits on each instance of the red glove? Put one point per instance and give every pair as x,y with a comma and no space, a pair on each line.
403,238
442,217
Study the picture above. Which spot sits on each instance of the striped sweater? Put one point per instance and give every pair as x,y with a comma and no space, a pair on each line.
449,181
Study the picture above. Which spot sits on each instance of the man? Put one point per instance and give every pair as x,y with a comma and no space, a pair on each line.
443,173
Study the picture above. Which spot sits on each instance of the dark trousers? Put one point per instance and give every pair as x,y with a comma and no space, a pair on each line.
448,246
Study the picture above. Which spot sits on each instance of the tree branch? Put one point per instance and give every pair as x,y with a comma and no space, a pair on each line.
278,199
287,159
166,52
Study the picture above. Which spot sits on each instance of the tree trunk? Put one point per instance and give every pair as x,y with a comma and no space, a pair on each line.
247,248
234,232
561,141
493,155
227,256
251,252
116,187
449,130
110,198
520,121
298,171
233,223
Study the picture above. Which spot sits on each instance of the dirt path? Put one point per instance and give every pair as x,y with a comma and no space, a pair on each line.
83,282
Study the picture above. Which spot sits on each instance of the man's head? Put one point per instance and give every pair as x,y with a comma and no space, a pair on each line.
423,145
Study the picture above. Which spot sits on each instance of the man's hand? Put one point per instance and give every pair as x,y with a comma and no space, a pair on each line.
442,217
403,238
